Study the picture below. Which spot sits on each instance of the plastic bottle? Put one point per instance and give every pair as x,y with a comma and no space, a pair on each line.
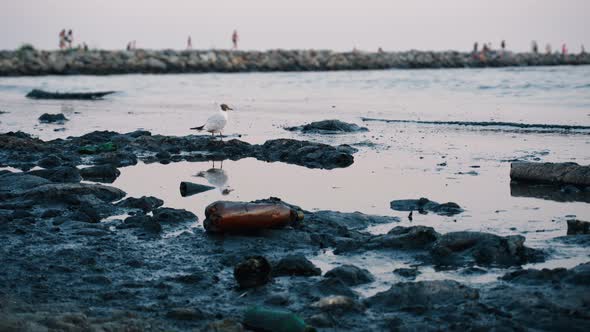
239,217
272,320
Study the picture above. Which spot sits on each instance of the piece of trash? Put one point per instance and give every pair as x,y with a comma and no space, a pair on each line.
223,216
98,148
189,188
265,319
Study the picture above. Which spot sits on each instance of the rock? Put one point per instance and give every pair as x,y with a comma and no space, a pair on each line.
354,220
552,173
100,173
484,249
328,127
424,205
52,118
168,215
50,161
422,294
62,174
407,273
351,275
144,203
576,227
117,159
312,155
295,265
579,275
40,94
252,272
58,192
145,222
185,314
412,238
332,286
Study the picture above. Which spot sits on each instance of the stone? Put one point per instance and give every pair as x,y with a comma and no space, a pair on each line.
328,127
351,275
252,272
577,227
63,174
425,294
144,203
424,205
484,249
407,273
295,265
100,173
53,118
170,215
551,173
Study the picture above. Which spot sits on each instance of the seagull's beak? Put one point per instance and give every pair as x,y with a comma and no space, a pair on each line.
229,108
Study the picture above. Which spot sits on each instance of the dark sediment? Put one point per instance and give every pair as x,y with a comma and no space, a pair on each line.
95,62
570,129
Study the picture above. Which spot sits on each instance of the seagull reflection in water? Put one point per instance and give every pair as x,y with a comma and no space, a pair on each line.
217,177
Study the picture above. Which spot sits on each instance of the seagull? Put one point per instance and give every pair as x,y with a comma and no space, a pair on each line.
216,122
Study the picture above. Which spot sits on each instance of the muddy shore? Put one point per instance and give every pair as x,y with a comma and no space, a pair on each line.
31,62
80,255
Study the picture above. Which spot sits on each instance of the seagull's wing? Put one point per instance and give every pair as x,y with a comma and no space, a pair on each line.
215,122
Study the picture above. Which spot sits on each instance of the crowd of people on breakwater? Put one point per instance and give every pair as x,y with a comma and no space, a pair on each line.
66,40
487,50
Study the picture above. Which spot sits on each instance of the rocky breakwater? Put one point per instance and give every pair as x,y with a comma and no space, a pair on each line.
29,61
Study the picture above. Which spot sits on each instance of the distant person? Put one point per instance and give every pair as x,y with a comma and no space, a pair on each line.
582,49
189,43
128,46
503,45
85,46
548,48
534,47
235,39
475,47
380,50
563,49
62,39
70,38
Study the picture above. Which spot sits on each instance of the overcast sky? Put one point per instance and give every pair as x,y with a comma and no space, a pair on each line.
298,24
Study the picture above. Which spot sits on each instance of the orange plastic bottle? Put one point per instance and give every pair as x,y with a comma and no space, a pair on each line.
236,217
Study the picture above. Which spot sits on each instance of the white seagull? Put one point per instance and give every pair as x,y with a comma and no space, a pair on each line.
216,122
